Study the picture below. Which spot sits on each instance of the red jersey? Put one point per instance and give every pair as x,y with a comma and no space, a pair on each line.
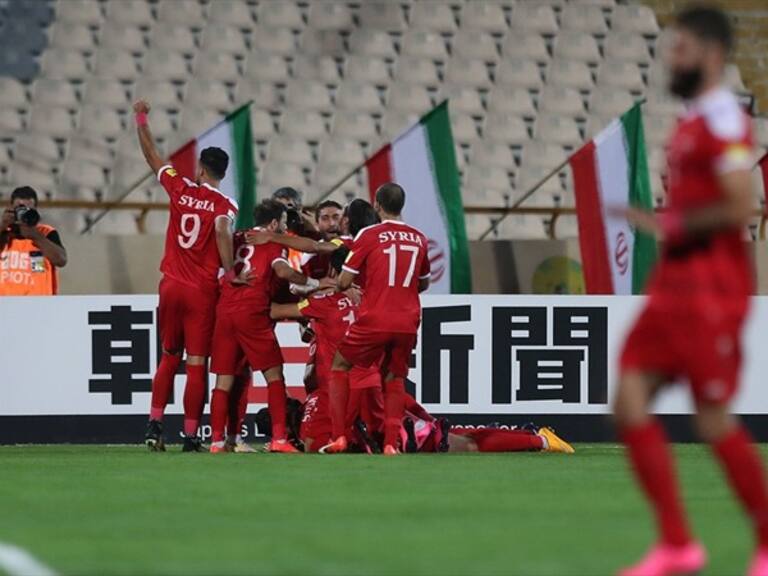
331,315
259,262
393,258
191,254
713,137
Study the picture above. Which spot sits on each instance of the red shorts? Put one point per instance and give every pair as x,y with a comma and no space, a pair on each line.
360,378
704,348
238,335
186,317
363,348
316,426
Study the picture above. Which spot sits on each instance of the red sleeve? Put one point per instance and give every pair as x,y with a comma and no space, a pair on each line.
226,208
172,181
313,307
277,254
729,141
356,257
425,270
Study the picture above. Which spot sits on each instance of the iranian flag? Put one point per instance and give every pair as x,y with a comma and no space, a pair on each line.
423,161
233,135
610,173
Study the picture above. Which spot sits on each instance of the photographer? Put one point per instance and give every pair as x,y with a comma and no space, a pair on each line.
30,251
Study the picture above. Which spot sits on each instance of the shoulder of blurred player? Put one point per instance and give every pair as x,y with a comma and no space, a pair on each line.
723,115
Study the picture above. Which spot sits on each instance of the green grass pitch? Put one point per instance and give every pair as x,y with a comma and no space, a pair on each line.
121,510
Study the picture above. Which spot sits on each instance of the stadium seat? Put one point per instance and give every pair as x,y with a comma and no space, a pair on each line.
308,125
262,125
610,102
105,91
12,93
83,178
116,63
562,101
434,16
463,99
534,17
262,93
547,194
489,153
518,73
88,149
117,222
569,74
116,35
41,180
525,46
188,12
507,129
485,16
195,121
484,178
10,121
278,174
18,63
308,95
223,38
464,128
329,16
357,126
511,100
394,123
127,146
319,68
425,44
162,126
733,78
417,70
99,120
662,104
267,68
54,92
476,225
570,45
33,147
71,36
173,38
465,72
558,130
128,13
50,120
382,15
284,14
473,195
319,43
542,154
634,18
475,44
328,175
628,47
86,12
580,18
232,13
340,151
159,93
567,226
657,77
367,70
64,64
40,13
618,74
657,128
273,41
522,227
289,149
356,97
217,66
205,94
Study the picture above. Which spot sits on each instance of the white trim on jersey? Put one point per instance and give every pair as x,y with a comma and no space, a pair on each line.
163,169
350,270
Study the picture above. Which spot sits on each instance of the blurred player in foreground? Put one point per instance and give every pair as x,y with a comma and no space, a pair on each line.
698,300
197,244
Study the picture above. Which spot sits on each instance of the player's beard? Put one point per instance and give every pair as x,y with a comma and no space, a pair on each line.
686,82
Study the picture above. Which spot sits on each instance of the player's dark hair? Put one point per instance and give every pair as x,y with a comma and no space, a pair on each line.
326,204
24,193
267,211
391,198
290,194
707,23
215,161
361,215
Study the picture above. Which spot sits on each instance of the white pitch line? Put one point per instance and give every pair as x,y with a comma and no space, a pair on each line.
16,561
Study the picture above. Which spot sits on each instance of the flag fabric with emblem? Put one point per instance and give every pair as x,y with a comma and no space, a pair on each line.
610,173
423,161
233,135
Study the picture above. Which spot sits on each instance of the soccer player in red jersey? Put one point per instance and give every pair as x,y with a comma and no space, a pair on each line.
244,328
697,302
393,258
198,244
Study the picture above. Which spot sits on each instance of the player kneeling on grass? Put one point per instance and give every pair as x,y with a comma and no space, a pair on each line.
244,328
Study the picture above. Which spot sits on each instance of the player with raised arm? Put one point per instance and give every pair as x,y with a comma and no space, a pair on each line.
245,329
198,244
698,299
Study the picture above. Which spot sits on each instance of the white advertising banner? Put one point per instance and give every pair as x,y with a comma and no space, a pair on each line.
95,355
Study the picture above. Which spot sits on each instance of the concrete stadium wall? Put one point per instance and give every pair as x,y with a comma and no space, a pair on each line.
129,265
750,18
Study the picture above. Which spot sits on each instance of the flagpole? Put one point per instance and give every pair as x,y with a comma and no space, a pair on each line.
138,182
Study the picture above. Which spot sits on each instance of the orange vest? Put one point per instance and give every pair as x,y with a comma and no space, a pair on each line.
24,271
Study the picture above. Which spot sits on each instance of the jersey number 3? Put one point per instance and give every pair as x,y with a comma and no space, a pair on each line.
392,253
190,230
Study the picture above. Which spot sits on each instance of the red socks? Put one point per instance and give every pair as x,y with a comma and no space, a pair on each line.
741,463
654,469
162,384
194,398
238,406
219,410
493,440
339,395
394,410
276,402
